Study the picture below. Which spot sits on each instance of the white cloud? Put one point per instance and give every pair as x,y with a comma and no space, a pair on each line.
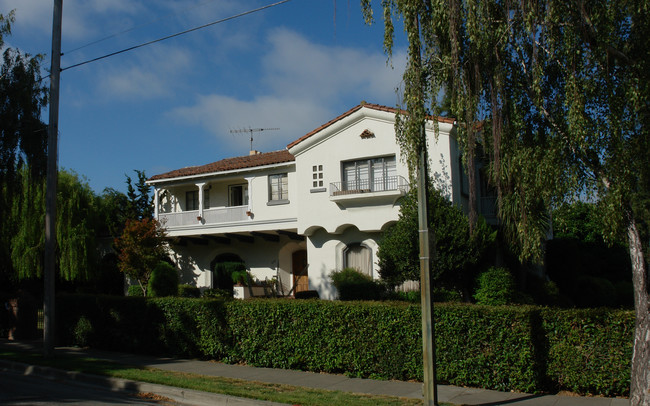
151,73
220,114
301,86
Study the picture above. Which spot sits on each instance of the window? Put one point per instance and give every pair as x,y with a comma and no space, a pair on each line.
278,187
374,174
192,200
359,257
317,176
237,195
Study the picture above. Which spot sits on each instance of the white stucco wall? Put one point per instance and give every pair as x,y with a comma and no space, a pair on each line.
264,259
325,255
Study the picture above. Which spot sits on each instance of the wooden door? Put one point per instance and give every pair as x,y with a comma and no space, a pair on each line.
299,270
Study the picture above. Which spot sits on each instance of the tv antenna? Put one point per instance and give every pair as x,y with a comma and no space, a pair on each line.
251,131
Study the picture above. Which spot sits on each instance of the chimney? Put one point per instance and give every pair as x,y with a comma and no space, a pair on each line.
253,152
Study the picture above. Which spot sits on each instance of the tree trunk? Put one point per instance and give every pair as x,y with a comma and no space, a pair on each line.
640,373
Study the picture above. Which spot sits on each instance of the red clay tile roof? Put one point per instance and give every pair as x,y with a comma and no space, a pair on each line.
354,109
228,164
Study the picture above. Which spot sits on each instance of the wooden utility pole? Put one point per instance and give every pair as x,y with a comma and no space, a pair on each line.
52,178
428,343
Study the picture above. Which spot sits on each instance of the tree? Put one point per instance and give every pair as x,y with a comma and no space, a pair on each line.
139,204
75,228
23,136
562,92
141,247
456,254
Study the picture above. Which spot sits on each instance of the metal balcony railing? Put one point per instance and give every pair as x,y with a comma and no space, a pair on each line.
383,184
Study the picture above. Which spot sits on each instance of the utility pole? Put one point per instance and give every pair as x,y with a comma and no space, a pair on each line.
428,343
428,323
52,178
251,131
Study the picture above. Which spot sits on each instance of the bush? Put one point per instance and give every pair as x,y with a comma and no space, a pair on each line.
521,348
163,281
223,272
354,285
217,294
186,290
495,287
135,290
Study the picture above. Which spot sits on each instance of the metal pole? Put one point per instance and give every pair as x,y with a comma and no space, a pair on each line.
52,176
428,345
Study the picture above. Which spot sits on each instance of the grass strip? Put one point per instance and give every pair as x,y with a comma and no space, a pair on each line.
227,386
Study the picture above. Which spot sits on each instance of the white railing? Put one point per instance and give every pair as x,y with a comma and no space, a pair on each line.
210,216
382,184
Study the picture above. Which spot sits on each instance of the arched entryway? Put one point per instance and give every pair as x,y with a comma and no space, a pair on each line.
221,267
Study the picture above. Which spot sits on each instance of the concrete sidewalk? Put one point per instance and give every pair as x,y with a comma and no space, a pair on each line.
446,393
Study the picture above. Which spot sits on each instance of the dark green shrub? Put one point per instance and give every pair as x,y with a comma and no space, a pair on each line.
82,332
495,287
521,348
135,290
217,294
223,273
185,290
163,281
354,285
457,256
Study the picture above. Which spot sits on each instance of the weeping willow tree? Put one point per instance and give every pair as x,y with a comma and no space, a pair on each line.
556,94
75,229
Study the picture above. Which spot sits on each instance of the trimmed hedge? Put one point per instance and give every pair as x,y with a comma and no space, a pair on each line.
523,348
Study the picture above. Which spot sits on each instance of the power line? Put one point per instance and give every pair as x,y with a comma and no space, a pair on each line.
175,35
135,27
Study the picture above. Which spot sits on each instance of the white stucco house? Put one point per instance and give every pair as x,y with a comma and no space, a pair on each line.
298,214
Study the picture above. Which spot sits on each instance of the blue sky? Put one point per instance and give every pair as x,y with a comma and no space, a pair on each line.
173,104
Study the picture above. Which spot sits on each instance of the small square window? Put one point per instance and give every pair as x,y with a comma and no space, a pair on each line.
317,176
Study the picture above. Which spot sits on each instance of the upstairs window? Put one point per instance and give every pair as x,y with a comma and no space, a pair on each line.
238,195
278,187
373,174
192,200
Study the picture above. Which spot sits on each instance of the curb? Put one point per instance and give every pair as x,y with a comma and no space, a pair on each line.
181,395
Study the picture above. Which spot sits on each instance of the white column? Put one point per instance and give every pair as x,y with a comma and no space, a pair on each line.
156,202
249,180
200,186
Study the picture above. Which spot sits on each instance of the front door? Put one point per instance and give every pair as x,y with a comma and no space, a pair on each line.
299,270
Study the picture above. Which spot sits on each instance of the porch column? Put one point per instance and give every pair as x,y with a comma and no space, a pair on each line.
200,186
156,202
249,180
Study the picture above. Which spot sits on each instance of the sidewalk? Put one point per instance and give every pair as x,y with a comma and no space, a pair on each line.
446,393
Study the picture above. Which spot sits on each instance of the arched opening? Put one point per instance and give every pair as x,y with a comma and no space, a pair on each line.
222,266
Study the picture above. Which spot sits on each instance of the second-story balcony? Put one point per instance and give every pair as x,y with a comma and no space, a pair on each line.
381,189
219,215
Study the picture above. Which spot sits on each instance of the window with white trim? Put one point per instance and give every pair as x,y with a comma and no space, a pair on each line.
278,187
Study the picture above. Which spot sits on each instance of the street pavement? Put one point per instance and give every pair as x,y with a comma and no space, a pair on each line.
446,393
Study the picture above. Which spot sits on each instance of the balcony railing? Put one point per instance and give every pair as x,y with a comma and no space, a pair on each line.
384,184
210,216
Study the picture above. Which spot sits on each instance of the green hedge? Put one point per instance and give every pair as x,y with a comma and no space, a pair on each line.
522,348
